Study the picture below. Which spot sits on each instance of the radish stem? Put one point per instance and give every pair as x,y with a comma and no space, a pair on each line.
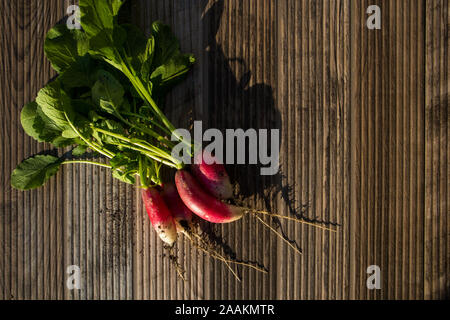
87,162
149,154
143,92
92,145
141,144
131,114
148,131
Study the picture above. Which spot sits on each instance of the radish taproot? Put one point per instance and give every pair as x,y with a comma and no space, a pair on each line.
213,210
202,203
180,213
183,217
159,215
212,175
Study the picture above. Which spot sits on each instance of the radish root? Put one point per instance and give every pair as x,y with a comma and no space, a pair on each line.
278,234
174,261
313,224
211,252
234,261
200,243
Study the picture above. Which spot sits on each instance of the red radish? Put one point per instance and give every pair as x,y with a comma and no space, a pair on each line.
181,213
183,219
213,177
202,203
160,216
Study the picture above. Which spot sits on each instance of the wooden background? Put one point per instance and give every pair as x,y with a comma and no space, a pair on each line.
364,121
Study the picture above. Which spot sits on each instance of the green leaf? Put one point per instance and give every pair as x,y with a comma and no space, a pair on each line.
172,72
77,120
79,150
146,68
48,131
62,142
98,19
69,134
94,116
129,159
80,73
27,118
53,101
82,42
135,46
169,65
126,107
114,126
51,123
63,47
107,92
166,44
81,106
35,172
125,165
127,177
111,126
105,45
98,15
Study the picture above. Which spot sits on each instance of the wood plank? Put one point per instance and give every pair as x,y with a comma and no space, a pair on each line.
436,149
363,116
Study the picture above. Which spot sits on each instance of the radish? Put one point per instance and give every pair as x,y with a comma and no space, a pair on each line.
168,214
159,215
183,219
181,214
202,203
213,177
213,210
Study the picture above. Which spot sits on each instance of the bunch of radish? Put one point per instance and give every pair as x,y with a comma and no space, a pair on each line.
104,105
172,208
200,191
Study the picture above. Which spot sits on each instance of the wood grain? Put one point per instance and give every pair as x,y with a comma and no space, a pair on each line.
363,116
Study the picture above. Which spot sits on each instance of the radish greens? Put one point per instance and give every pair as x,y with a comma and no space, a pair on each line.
104,101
